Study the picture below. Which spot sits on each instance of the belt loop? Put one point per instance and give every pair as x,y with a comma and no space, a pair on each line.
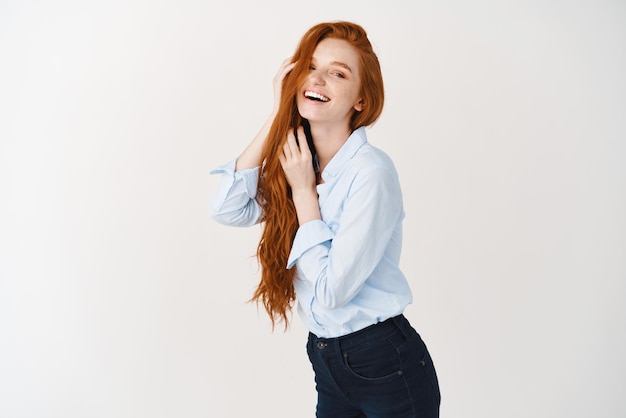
403,325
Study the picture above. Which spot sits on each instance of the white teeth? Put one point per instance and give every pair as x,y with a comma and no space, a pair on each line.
314,95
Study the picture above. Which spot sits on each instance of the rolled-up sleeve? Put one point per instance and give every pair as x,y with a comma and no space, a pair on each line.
234,202
338,263
310,235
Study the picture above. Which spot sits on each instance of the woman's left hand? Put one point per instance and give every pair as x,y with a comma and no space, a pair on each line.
297,163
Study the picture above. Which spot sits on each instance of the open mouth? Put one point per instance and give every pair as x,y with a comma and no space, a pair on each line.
315,96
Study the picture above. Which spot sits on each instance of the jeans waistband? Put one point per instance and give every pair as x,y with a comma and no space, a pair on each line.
366,335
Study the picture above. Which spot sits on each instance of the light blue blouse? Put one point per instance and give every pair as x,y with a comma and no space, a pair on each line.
347,264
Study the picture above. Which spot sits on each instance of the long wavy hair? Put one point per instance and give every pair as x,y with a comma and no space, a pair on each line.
280,223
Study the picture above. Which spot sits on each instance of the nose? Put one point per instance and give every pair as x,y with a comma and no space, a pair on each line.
317,77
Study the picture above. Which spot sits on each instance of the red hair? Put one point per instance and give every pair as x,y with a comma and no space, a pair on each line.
275,290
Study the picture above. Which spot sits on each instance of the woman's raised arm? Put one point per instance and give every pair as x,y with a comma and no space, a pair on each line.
251,156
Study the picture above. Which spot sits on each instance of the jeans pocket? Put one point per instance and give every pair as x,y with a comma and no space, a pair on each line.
377,362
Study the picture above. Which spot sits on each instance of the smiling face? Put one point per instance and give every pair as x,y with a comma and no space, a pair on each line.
330,93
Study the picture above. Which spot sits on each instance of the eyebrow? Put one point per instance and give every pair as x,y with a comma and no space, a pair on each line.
337,63
341,64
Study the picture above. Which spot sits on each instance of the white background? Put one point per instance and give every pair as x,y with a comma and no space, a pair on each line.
120,297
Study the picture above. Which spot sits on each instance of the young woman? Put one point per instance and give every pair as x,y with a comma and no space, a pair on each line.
331,208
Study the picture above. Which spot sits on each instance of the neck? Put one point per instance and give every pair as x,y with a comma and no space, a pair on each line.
328,140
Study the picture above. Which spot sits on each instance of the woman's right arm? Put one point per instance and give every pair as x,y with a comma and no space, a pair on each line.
234,202
251,156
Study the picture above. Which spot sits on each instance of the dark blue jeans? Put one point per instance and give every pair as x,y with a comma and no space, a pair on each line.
382,371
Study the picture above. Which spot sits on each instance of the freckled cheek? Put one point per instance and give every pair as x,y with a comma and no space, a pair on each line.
299,102
302,107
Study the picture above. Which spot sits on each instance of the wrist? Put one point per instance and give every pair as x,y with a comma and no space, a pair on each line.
307,205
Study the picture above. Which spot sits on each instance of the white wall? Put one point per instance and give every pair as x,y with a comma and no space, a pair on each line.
119,297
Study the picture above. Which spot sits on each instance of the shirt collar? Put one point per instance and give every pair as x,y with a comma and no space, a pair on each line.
356,139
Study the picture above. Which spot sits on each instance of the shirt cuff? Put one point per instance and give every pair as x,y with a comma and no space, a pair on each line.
250,177
308,236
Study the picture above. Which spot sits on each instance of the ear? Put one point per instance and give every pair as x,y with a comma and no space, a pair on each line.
359,105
